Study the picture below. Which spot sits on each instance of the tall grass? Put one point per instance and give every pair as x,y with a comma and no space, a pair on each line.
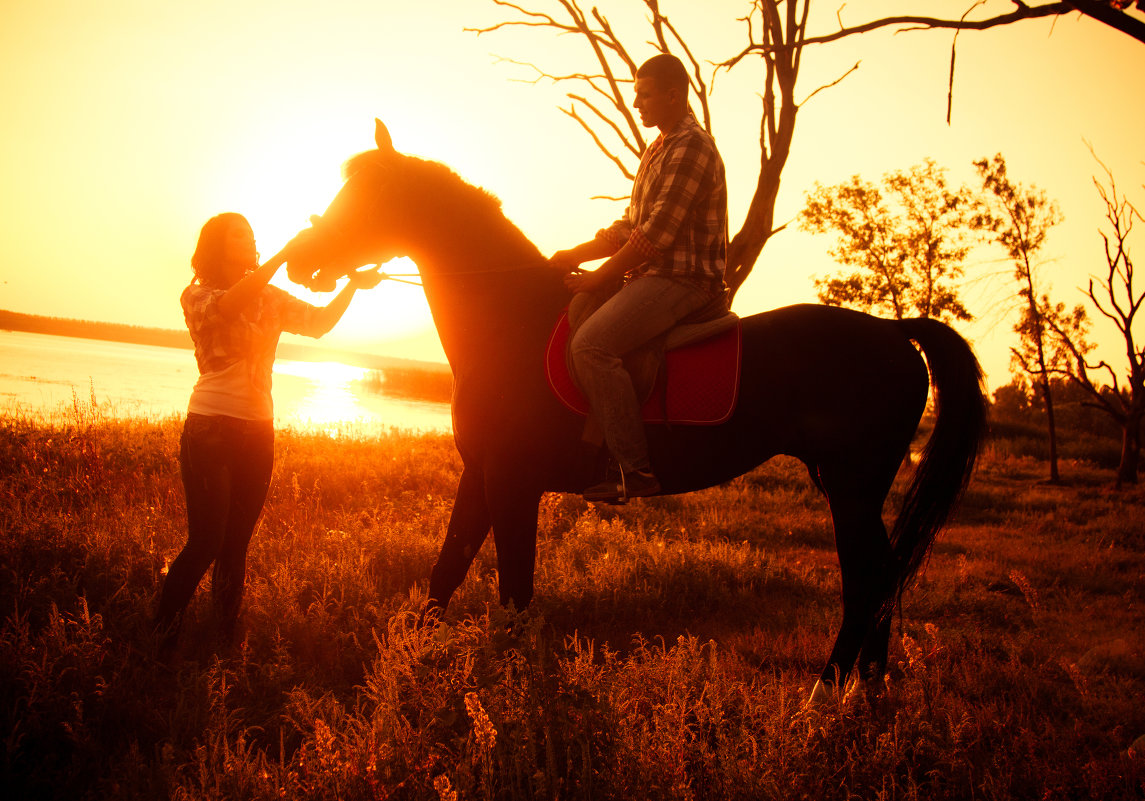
667,655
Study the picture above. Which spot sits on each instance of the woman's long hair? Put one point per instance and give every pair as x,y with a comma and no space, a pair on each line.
208,257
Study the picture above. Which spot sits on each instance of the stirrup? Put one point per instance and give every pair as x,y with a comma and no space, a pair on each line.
636,484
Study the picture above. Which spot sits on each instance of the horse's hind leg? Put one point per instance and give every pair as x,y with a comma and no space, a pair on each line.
873,656
856,499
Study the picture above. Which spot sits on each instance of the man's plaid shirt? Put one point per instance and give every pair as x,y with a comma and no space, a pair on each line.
677,216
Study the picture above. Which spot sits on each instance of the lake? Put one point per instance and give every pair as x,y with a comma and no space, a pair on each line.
44,374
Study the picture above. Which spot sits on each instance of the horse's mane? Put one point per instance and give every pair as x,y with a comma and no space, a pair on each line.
425,178
426,199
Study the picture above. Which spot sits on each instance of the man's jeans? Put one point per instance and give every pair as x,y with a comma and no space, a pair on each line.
643,309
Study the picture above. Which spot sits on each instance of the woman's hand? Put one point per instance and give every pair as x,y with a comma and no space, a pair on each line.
365,279
332,312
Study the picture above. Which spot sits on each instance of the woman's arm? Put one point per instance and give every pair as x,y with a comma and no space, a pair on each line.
329,315
239,296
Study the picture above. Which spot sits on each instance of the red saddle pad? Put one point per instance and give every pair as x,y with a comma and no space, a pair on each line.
702,379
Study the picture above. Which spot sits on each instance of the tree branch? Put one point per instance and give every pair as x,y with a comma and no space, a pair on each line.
632,147
1120,20
545,21
699,87
1105,12
571,112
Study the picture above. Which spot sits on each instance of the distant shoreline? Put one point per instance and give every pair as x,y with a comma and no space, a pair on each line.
169,338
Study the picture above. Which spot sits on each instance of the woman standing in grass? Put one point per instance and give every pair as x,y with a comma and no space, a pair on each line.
226,451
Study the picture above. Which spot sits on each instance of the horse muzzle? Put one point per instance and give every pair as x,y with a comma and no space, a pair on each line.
316,279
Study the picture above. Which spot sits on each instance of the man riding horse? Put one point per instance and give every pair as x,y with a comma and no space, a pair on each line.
665,263
839,390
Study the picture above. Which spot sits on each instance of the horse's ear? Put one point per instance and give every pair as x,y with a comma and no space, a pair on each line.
383,140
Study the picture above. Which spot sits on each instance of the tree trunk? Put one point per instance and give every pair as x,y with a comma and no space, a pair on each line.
776,131
1130,450
1051,427
745,246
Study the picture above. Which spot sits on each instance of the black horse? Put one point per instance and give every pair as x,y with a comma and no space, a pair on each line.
838,389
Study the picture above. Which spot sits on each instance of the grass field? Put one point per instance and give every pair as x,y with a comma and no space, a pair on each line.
667,654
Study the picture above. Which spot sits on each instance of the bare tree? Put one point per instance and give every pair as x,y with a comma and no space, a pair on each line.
1115,13
1123,15
775,31
1118,300
598,102
777,34
1021,219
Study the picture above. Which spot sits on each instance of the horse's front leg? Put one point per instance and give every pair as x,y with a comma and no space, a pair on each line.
513,506
468,526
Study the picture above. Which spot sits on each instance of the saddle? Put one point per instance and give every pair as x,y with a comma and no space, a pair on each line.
689,376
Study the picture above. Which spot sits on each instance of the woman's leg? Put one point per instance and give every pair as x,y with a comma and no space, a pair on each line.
251,465
203,450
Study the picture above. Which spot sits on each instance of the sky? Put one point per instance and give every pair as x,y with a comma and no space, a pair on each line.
128,123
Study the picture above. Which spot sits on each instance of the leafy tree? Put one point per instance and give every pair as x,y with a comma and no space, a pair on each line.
1011,402
1021,219
905,240
1118,300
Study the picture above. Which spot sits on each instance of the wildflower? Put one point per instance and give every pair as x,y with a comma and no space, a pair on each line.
483,732
1076,676
445,791
963,567
1026,587
912,650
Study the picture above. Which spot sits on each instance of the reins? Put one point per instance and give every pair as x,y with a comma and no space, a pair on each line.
402,278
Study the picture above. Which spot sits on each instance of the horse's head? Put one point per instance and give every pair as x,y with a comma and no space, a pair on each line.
358,227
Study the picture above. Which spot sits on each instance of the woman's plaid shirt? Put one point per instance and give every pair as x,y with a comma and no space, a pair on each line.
251,335
678,214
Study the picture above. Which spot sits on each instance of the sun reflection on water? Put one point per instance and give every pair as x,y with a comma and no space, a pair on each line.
44,375
330,397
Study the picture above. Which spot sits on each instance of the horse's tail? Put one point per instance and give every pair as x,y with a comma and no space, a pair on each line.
948,459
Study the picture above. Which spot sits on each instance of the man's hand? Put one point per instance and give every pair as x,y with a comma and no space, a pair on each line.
565,261
582,281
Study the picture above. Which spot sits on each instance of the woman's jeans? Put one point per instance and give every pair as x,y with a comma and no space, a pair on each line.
642,310
226,465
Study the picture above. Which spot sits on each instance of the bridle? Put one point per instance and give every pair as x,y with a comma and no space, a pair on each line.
412,279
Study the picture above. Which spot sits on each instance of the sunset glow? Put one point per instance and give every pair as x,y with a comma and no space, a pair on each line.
138,121
892,548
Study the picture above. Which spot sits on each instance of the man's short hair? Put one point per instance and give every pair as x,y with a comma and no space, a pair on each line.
667,70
